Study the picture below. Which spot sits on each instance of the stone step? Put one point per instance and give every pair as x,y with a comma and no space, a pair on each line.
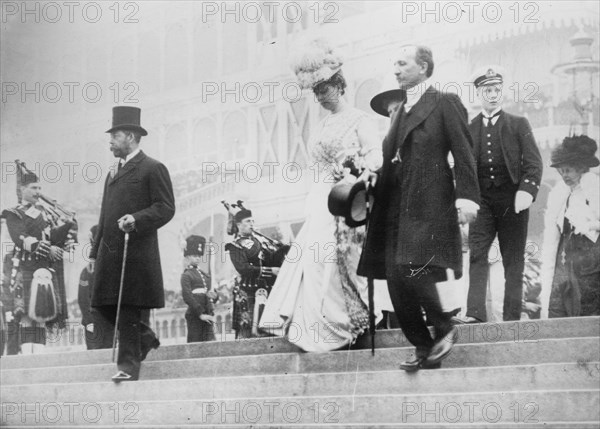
563,350
497,408
523,331
453,380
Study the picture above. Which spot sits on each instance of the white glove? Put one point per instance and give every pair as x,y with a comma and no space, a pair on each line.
523,201
126,223
9,316
207,318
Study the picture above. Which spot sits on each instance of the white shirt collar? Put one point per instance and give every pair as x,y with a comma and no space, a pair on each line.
494,118
128,157
414,94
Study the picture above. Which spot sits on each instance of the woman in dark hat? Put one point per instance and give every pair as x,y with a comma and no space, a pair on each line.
571,252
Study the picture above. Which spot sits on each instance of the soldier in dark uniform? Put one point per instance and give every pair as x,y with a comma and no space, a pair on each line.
197,294
257,262
36,266
509,169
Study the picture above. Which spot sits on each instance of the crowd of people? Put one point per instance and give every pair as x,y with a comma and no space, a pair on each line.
189,181
393,211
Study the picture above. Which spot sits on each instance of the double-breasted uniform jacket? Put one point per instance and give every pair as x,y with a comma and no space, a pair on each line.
143,189
424,220
521,154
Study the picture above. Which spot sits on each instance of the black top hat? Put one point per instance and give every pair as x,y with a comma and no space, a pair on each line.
380,102
576,151
127,118
489,77
195,245
349,200
242,214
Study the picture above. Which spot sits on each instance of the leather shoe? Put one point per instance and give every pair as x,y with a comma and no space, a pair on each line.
145,350
123,376
442,347
419,363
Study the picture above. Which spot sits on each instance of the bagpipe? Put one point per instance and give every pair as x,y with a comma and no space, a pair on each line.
276,248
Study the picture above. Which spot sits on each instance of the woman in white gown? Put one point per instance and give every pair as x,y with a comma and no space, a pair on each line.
318,301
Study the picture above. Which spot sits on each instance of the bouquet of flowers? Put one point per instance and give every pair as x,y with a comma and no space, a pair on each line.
332,157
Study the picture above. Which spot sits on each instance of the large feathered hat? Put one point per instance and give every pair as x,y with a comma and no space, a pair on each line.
316,62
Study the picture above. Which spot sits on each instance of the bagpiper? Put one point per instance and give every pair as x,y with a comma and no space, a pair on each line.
37,275
257,259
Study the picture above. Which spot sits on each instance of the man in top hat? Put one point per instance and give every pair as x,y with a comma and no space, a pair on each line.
509,170
256,262
413,235
197,293
36,266
385,103
138,199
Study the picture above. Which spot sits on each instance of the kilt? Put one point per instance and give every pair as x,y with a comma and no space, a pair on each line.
27,268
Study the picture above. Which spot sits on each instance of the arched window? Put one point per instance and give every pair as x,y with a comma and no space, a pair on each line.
235,42
173,328
150,55
165,329
176,141
205,53
205,141
234,136
182,328
176,64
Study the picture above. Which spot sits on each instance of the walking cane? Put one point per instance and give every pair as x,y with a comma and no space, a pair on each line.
370,284
120,296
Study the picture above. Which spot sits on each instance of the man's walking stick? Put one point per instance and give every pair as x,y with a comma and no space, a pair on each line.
120,296
370,284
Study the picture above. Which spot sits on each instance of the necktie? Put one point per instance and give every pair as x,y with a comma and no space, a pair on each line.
487,120
120,166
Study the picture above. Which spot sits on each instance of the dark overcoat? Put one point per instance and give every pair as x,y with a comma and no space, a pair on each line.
143,189
414,219
521,154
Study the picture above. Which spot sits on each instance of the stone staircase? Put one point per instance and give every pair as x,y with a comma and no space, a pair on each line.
525,374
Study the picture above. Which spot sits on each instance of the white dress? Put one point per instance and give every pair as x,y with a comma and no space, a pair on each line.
318,301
